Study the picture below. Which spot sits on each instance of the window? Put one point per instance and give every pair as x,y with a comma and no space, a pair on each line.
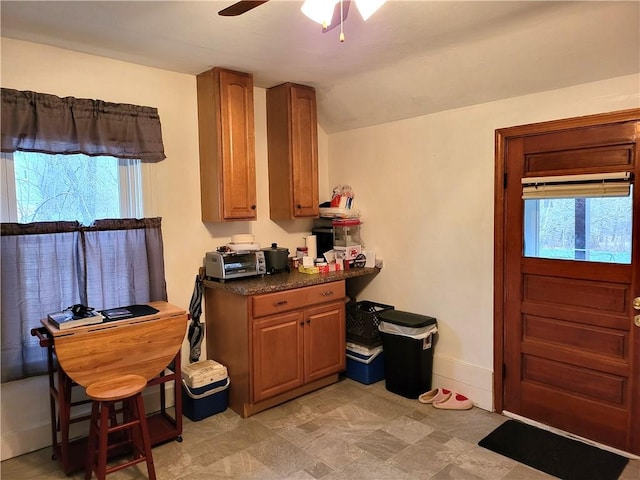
41,187
84,163
579,228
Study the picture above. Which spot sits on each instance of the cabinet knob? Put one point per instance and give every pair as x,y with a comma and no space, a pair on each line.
280,303
302,324
308,321
328,293
298,206
253,207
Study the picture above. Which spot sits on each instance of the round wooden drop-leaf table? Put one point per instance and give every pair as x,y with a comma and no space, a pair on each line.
138,346
143,346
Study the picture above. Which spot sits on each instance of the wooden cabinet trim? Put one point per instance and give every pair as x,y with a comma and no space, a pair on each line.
278,302
236,332
227,145
292,132
277,341
323,357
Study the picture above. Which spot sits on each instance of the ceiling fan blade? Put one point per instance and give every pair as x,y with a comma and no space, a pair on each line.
240,7
335,20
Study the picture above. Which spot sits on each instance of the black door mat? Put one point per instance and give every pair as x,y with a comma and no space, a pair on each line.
554,454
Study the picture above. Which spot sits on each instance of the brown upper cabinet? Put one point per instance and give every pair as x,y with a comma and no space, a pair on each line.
227,145
292,133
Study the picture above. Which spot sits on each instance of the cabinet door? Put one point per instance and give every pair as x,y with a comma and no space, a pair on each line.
278,344
227,145
292,132
304,141
324,341
238,145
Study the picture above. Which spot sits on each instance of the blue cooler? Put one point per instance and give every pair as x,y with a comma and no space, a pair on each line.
205,389
364,364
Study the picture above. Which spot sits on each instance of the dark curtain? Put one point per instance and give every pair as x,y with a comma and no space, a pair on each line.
37,122
48,266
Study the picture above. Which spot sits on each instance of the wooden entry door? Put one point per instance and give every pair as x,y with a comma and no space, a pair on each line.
567,352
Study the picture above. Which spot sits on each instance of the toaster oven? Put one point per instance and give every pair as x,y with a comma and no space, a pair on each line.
230,265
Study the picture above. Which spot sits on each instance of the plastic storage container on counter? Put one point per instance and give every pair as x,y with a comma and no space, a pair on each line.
346,232
205,387
407,340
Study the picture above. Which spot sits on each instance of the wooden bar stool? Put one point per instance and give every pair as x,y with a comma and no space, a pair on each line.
105,394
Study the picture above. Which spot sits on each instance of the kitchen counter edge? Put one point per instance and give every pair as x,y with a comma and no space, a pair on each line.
285,281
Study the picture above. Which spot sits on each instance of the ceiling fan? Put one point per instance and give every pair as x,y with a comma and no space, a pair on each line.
240,7
243,6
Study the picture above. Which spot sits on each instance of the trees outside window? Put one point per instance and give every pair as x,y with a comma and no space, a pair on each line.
40,187
593,229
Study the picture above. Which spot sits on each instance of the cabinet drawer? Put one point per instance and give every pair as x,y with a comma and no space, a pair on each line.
272,303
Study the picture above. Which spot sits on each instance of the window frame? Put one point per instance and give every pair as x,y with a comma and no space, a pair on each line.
133,190
581,248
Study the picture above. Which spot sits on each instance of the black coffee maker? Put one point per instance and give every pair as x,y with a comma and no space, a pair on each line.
323,230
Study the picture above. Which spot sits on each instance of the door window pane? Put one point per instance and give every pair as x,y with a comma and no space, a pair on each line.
591,229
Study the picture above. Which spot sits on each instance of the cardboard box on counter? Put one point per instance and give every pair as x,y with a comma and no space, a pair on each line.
332,267
348,253
302,269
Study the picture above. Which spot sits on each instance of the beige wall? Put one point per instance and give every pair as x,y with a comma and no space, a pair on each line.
424,185
171,186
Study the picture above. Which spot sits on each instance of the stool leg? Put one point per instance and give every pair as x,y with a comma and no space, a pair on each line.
91,442
64,415
103,443
144,430
113,419
134,435
126,418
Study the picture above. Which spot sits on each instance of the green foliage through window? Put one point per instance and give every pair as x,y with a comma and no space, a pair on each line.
592,229
68,187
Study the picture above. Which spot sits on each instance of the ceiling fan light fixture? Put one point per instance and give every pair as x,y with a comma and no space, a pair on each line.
368,7
320,11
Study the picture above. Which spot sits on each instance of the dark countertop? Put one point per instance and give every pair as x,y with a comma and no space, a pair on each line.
286,281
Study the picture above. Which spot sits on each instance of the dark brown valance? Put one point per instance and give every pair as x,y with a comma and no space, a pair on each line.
40,228
125,223
38,122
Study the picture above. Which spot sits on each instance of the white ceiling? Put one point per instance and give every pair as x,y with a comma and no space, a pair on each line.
410,58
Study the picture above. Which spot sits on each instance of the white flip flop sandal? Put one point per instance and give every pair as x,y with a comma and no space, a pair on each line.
455,401
435,395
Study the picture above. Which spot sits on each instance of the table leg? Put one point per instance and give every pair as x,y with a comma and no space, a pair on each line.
52,399
64,414
177,388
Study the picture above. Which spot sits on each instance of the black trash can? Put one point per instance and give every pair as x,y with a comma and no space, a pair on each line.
407,342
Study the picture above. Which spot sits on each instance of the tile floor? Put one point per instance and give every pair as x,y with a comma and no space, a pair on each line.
345,431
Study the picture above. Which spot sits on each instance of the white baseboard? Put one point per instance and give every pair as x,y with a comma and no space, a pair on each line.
25,416
25,441
474,382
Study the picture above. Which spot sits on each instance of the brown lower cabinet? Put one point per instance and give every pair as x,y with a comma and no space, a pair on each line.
276,346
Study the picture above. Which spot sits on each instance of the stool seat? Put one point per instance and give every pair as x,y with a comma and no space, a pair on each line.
104,425
116,388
